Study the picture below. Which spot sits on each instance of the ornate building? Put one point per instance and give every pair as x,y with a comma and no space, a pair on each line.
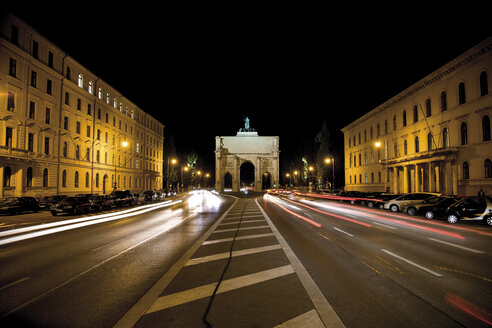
63,130
433,136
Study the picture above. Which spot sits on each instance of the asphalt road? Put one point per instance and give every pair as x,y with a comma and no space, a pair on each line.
379,269
373,268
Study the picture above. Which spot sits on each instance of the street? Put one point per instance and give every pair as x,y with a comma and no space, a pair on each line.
223,261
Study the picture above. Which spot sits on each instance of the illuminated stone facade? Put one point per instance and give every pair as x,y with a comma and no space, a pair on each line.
63,130
433,136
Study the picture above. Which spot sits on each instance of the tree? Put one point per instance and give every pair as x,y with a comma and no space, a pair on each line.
324,144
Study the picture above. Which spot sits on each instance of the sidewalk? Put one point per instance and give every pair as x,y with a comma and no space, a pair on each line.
260,285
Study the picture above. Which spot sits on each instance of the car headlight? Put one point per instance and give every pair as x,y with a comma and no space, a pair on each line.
67,206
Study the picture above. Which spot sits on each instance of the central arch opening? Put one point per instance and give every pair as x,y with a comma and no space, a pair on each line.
247,175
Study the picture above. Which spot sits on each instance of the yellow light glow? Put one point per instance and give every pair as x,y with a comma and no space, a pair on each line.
124,143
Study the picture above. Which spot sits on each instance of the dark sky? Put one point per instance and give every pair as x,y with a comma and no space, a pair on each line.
200,71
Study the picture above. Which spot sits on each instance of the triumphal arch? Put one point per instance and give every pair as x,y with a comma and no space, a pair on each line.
246,160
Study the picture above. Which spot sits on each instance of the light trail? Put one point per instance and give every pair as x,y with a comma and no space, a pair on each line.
308,220
82,222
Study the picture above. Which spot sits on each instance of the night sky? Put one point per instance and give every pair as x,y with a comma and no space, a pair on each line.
200,71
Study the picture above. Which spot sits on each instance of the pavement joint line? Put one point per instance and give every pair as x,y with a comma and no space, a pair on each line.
138,309
189,295
412,263
244,217
220,256
323,307
244,228
237,222
223,240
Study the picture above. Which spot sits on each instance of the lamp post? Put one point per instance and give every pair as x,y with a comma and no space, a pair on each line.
124,144
170,161
331,160
378,145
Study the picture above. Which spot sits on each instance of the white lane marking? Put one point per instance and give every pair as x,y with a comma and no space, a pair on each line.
384,225
458,246
309,319
14,283
323,307
130,318
248,251
245,228
348,234
236,222
412,263
223,240
193,294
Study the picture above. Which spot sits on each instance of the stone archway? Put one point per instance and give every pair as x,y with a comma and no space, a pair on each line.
247,175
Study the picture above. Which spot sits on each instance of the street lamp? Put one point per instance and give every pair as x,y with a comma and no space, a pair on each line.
124,144
378,145
331,160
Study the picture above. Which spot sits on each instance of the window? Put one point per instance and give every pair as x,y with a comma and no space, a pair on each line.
14,35
65,122
8,137
30,142
76,180
81,81
417,147
77,152
46,145
99,93
394,122
445,138
428,107
486,128
461,93
34,77
47,117
464,134
466,170
107,98
97,180
91,90
48,86
444,102
488,168
98,156
88,131
484,85
415,114
65,149
50,59
77,127
10,101
13,67
87,179
35,49
64,178
32,109
7,173
404,118
45,178
69,73
79,104
429,141
395,149
405,147
67,98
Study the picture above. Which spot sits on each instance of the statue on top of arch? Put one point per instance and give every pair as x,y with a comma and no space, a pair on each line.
246,128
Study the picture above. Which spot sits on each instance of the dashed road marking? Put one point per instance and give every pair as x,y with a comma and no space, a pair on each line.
226,255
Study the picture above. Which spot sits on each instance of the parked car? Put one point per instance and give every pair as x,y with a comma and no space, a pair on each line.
101,202
150,196
48,201
411,207
122,197
431,211
378,199
395,204
16,205
73,205
138,198
471,208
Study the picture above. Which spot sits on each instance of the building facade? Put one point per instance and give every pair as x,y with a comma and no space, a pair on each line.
63,130
434,136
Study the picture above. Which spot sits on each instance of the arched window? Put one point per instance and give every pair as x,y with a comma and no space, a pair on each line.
466,170
461,93
417,147
87,180
484,84
64,178
404,118
76,180
107,98
415,114
486,128
488,168
445,138
7,173
91,89
464,134
65,149
444,101
81,81
29,177
45,178
100,93
429,141
98,156
428,107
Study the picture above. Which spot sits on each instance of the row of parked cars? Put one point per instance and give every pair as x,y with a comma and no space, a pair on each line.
430,205
80,203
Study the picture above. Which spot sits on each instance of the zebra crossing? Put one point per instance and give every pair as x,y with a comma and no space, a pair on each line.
238,275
